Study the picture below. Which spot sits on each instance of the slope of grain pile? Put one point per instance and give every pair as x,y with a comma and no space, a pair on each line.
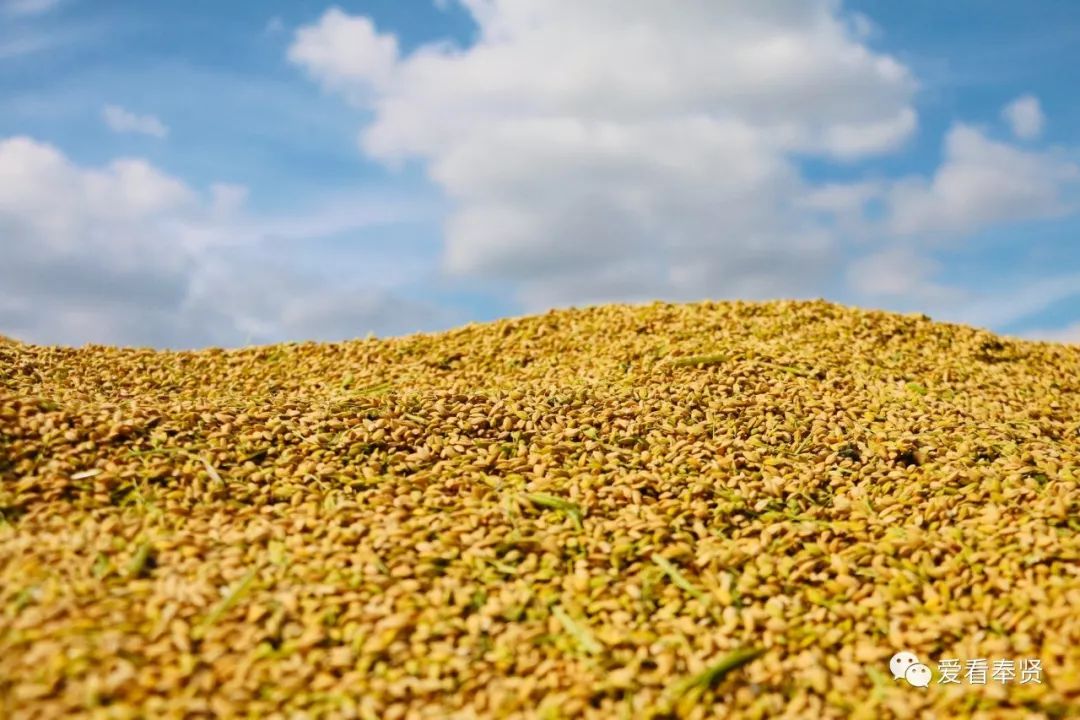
710,510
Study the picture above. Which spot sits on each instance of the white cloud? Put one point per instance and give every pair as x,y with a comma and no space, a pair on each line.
1070,334
898,272
124,121
863,27
1025,117
273,300
613,149
77,255
847,206
1004,301
40,189
850,141
981,183
128,254
227,198
590,152
27,7
904,278
342,51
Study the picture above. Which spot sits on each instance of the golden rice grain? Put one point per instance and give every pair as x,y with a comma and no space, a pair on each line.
708,510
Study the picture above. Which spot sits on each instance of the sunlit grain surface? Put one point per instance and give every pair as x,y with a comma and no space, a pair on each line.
711,510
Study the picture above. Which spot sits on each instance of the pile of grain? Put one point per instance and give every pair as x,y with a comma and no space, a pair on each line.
711,510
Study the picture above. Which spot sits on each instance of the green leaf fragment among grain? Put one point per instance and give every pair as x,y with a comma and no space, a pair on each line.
711,676
678,578
376,389
140,561
227,602
571,510
583,637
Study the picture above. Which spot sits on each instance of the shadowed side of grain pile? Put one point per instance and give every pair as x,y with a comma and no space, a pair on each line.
708,510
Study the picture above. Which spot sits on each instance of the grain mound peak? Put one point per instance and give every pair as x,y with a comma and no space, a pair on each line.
702,510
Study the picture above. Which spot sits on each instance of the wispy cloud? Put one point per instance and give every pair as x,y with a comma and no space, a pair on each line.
274,26
1007,306
24,45
1070,334
124,121
27,7
1025,117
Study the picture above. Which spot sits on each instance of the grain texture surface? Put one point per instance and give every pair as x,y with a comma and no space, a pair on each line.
708,510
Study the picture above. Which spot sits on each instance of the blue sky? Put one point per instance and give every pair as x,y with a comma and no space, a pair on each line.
206,173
